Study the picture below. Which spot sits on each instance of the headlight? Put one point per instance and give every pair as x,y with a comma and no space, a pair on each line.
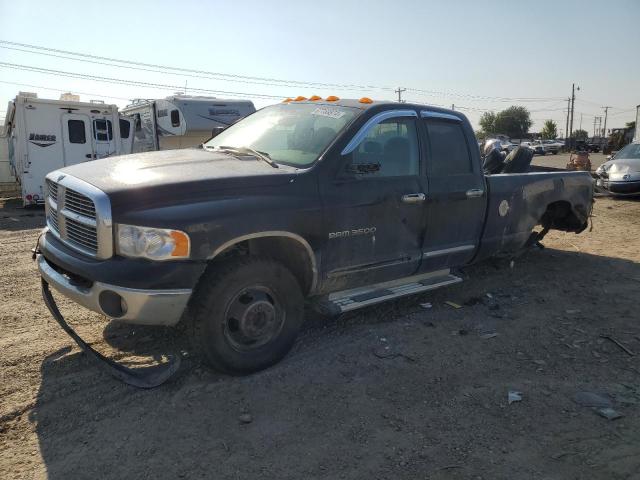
152,243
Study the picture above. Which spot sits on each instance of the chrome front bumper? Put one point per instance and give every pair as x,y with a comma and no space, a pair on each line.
144,307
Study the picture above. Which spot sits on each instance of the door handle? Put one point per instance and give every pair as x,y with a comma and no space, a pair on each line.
414,198
475,192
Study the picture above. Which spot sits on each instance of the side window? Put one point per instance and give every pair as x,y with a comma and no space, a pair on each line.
393,144
102,130
138,122
449,149
76,131
175,118
125,127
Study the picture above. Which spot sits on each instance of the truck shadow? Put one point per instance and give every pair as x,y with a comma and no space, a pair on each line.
320,409
13,217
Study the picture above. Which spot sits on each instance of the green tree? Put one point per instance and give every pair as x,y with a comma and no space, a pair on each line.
487,123
580,134
514,122
549,130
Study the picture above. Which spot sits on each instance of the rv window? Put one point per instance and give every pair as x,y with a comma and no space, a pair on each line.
125,126
102,130
175,118
76,131
138,121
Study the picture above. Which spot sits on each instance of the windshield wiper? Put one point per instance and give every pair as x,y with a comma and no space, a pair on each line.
264,156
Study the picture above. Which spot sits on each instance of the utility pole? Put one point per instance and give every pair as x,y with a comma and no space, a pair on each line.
580,121
573,106
568,111
453,107
594,126
399,92
606,112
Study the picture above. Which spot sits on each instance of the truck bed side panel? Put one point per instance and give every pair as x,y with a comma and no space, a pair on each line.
517,203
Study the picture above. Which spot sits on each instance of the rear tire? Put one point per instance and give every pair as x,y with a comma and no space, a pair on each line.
246,314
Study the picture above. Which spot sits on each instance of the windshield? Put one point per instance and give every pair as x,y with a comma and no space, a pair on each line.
289,133
630,151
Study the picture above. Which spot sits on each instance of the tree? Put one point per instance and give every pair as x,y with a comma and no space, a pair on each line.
513,122
580,134
549,130
487,123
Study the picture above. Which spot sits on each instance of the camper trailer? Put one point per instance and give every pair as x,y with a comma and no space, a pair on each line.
45,135
182,121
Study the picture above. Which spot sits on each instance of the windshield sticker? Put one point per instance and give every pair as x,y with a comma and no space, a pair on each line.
328,112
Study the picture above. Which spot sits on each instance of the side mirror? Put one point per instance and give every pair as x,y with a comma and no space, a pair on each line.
216,131
362,168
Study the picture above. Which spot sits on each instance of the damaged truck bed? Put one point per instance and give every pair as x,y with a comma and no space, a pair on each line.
339,203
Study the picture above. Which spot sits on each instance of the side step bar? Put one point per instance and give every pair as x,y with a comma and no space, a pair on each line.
347,300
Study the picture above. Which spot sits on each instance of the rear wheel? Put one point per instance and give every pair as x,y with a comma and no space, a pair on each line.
246,314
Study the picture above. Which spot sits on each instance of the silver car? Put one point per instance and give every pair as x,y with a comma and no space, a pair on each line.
620,175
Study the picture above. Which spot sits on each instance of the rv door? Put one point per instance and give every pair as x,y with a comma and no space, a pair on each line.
76,138
104,140
126,126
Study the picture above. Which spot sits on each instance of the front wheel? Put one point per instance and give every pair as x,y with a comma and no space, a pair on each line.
246,314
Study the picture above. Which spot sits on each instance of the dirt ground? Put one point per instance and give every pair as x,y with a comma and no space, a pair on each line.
341,405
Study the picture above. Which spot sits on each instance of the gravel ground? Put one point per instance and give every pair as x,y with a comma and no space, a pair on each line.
434,404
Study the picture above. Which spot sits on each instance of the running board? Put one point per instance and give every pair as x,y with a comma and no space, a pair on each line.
347,300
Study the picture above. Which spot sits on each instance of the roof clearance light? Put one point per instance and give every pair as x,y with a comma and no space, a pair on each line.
314,98
287,100
300,99
365,100
332,98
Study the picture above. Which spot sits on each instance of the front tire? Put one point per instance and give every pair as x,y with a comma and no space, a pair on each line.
246,314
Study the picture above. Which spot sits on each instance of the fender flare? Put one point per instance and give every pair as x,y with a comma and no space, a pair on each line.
274,233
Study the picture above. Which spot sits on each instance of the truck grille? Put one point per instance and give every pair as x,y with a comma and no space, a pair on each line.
72,216
79,203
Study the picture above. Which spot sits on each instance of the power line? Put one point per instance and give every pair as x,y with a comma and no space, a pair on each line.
84,76
245,78
190,70
63,91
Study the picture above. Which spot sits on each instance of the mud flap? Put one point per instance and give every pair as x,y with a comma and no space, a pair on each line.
143,377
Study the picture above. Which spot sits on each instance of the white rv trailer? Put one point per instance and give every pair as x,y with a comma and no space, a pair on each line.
45,135
181,121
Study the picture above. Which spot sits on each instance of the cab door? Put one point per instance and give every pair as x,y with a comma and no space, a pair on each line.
76,135
374,207
457,195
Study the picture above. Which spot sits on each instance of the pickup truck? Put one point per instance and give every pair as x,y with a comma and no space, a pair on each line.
338,204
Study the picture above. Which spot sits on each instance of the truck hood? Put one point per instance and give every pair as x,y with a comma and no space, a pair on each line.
172,174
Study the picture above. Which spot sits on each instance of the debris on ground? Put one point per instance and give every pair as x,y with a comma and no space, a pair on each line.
488,335
453,304
609,413
245,418
619,344
514,396
426,305
388,352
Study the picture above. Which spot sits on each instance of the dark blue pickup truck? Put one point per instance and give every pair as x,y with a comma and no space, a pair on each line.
336,203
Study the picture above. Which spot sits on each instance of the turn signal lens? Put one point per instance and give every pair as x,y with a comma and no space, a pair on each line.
314,98
300,99
181,245
365,100
332,98
287,100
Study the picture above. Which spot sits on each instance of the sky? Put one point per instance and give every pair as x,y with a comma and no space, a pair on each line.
473,55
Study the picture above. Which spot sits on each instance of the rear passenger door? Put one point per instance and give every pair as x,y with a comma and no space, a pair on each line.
457,197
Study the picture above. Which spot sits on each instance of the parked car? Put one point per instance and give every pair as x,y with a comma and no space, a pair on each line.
551,146
620,175
340,204
538,147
